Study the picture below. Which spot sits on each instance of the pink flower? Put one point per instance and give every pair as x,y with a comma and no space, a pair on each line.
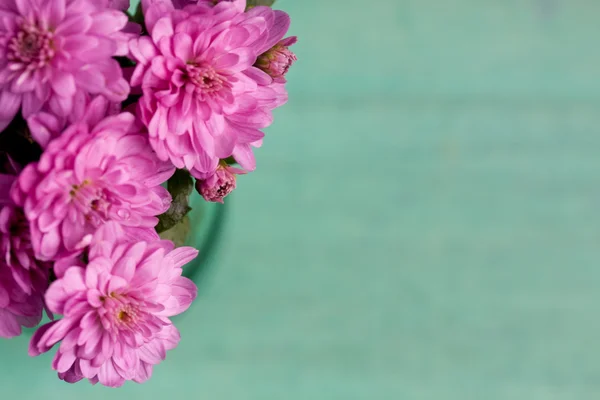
100,169
122,5
275,58
277,61
17,308
179,4
45,125
116,310
203,98
214,187
30,274
23,279
6,181
51,50
239,4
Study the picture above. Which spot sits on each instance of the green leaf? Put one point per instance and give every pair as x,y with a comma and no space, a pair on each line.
254,3
136,15
180,186
230,161
179,233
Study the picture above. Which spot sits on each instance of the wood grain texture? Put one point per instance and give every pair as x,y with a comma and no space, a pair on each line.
423,224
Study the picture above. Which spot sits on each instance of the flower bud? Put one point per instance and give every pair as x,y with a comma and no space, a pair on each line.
219,184
277,61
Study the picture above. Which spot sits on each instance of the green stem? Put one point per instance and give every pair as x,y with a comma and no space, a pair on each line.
180,186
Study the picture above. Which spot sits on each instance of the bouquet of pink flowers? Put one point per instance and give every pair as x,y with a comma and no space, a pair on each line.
99,110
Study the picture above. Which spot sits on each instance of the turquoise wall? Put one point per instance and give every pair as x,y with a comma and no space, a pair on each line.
423,223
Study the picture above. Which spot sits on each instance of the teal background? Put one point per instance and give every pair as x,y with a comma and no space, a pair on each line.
423,223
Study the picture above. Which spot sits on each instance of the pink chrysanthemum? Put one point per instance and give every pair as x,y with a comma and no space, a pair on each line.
45,125
23,279
100,169
214,187
17,253
50,50
179,4
203,98
122,5
116,310
17,308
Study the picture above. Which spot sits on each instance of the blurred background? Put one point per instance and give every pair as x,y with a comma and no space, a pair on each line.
423,223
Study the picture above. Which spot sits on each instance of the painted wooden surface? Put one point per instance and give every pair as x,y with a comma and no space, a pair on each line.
424,222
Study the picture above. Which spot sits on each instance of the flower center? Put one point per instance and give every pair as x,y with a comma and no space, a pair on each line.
206,79
122,313
126,316
31,46
91,200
